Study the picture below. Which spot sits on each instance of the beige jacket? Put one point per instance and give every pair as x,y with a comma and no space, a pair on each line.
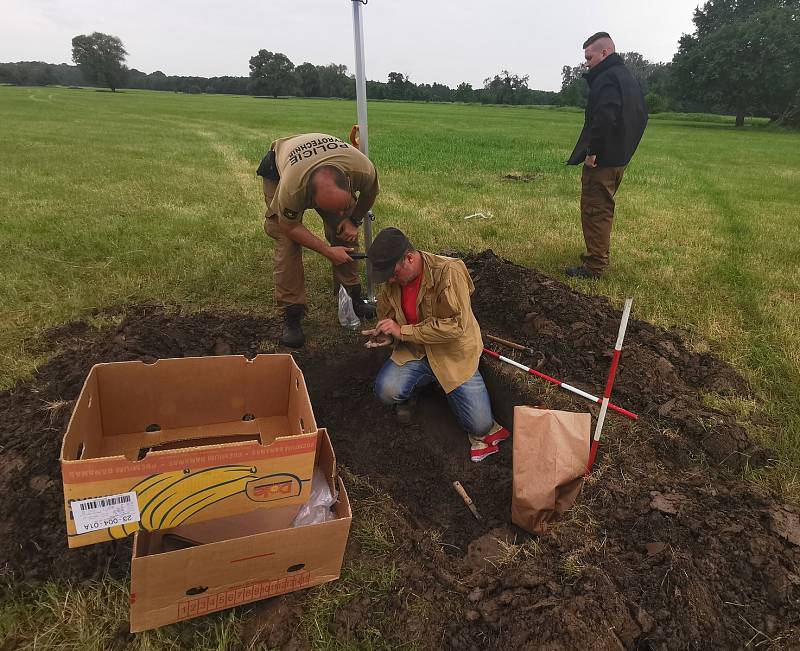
447,332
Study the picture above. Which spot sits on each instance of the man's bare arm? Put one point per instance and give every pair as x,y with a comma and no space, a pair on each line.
296,232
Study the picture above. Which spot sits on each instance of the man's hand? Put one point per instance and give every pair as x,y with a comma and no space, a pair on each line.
376,339
590,160
339,254
388,327
347,231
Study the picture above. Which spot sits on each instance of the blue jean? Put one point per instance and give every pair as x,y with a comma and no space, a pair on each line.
469,402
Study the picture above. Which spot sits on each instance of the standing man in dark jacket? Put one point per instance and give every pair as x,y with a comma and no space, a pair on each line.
616,117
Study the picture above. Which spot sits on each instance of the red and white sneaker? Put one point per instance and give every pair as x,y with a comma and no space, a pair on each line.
480,453
496,437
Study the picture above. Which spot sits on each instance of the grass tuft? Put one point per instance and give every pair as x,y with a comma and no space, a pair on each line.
93,616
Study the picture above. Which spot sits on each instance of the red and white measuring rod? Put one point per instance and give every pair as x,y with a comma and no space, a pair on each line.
612,372
563,385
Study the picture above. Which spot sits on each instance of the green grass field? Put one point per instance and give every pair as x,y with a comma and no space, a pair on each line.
108,199
113,198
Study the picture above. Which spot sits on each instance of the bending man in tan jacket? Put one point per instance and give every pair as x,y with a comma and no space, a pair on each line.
424,310
315,170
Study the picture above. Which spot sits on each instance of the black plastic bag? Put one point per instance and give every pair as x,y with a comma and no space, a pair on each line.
267,167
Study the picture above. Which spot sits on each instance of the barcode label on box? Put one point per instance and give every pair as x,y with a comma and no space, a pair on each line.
105,512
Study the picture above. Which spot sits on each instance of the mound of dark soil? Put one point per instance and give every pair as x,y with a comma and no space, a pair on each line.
34,415
666,548
574,336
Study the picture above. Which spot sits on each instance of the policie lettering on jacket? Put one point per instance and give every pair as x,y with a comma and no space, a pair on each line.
296,158
314,147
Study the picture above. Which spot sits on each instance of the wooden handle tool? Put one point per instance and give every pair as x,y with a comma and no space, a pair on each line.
510,344
467,499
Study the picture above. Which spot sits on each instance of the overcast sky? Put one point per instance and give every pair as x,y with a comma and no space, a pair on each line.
448,41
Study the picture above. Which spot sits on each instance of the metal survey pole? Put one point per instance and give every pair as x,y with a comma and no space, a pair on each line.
361,101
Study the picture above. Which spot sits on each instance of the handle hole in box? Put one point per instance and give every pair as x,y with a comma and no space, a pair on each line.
248,416
200,589
296,568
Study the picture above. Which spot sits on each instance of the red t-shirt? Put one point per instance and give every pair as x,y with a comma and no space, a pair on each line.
408,299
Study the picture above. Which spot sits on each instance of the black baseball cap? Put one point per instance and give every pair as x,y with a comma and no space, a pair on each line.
385,252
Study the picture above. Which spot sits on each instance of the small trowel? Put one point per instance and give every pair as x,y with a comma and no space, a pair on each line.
467,499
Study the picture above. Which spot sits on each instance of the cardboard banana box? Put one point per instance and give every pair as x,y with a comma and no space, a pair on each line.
156,446
199,569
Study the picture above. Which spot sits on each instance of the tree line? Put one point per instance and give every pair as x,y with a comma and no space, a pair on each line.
273,74
305,80
742,59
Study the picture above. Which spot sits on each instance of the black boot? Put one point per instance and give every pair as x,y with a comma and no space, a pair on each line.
292,335
363,309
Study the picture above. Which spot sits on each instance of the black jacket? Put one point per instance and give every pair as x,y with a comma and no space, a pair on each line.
616,115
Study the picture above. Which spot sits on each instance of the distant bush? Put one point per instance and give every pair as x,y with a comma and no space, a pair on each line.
655,103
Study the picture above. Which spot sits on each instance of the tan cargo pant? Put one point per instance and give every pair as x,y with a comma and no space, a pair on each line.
290,282
598,187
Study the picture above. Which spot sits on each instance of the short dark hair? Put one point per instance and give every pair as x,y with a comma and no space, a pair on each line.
595,37
340,179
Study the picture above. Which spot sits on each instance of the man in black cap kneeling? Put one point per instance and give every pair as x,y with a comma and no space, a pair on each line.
425,313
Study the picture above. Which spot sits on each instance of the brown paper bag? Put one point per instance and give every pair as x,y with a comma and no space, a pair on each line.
551,450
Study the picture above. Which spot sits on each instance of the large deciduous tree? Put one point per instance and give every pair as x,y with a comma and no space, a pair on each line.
308,83
271,74
101,59
398,86
464,93
506,88
742,57
335,82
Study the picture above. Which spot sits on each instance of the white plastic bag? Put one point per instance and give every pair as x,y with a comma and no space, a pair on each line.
347,317
318,507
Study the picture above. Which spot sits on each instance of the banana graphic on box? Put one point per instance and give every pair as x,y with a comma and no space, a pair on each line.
169,499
